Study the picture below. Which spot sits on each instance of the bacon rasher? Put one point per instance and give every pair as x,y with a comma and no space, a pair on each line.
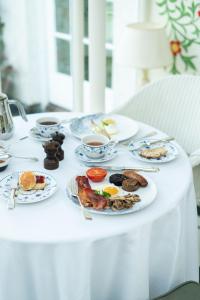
87,196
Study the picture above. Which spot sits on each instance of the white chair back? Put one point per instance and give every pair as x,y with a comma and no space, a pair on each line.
171,105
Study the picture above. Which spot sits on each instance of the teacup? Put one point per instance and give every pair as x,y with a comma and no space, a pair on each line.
96,146
47,126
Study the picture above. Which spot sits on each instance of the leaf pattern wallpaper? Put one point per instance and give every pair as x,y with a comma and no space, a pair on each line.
182,19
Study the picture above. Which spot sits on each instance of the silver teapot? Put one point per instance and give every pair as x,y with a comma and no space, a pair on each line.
6,120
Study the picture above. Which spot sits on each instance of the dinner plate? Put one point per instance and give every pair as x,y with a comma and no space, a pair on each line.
110,154
123,129
147,195
172,151
27,197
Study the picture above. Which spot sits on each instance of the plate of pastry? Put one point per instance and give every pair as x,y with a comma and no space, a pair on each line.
108,193
33,186
116,127
161,152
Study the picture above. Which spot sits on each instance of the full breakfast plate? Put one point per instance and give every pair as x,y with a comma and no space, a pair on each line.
45,186
157,153
115,194
119,128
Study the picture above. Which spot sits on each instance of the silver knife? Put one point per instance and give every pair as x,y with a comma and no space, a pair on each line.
121,168
164,140
13,185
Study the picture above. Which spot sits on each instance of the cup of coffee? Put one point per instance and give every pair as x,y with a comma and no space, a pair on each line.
95,146
47,126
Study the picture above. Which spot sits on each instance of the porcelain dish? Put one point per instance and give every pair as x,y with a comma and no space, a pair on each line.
125,127
27,197
172,151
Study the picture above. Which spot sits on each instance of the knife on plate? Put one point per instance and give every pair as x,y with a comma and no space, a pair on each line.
13,185
149,143
121,168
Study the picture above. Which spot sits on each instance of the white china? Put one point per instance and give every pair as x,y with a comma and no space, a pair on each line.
147,195
27,197
96,151
172,151
46,130
110,154
125,127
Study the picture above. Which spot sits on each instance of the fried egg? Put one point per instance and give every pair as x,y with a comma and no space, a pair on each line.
112,190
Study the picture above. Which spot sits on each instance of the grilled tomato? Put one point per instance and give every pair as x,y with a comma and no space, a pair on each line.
96,174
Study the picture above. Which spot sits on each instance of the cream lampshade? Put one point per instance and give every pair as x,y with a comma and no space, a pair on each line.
144,46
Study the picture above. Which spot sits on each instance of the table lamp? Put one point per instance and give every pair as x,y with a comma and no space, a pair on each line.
145,46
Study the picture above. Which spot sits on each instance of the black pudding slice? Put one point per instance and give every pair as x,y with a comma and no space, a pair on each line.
117,179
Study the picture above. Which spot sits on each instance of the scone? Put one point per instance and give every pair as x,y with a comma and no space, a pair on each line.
27,180
153,153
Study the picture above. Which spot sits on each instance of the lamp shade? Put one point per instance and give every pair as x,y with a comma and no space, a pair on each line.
145,46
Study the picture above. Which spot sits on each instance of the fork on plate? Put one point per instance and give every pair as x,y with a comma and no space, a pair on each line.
74,193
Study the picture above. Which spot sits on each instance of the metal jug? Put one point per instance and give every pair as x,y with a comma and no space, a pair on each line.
6,120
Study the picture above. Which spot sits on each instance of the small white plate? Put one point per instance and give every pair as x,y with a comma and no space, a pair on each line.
125,127
147,195
172,151
110,154
37,136
27,197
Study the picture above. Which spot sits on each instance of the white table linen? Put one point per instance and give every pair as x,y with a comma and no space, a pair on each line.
48,251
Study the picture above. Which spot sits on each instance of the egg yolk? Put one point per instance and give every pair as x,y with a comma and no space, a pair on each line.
112,190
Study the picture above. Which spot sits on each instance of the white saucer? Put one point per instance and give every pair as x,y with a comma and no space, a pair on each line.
110,154
39,138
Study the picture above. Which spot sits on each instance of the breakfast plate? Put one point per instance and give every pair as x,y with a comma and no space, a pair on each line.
136,149
27,197
120,128
110,154
146,194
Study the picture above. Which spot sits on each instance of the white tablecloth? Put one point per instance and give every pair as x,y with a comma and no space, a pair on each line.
48,251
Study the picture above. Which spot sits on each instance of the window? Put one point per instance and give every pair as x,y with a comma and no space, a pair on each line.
63,37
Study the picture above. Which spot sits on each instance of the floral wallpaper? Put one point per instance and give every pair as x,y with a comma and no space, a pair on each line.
182,19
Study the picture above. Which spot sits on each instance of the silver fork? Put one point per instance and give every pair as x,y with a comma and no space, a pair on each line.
74,192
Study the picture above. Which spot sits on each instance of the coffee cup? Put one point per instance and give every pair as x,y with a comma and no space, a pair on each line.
96,146
47,126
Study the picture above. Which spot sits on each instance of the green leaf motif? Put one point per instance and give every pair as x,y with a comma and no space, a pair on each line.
183,24
188,62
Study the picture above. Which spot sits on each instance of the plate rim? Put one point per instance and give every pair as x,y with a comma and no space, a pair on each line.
32,202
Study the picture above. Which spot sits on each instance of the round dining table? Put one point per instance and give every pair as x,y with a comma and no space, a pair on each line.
48,251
